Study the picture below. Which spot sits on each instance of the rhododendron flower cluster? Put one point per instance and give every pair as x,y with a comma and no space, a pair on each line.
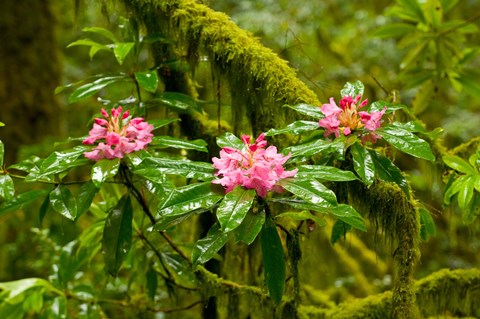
347,118
253,167
118,135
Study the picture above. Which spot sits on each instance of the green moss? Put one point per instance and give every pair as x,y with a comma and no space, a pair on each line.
260,81
387,206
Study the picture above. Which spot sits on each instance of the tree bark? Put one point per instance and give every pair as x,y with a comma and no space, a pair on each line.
29,73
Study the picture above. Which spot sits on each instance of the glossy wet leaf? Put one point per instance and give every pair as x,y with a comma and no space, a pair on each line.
94,48
465,193
117,235
230,140
168,141
147,80
63,202
273,256
250,227
352,89
104,169
234,207
7,188
296,127
318,146
326,173
21,200
310,190
309,110
189,198
61,161
388,172
363,163
188,169
406,142
94,87
85,197
207,247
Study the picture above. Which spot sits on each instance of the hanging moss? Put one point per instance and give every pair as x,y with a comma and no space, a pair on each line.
387,206
260,81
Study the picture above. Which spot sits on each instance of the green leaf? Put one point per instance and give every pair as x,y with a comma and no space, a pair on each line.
408,10
63,202
230,140
470,213
234,207
121,50
103,32
465,193
21,200
44,209
302,215
167,221
309,110
348,215
2,124
250,227
168,141
311,191
85,197
363,163
427,225
393,30
94,48
459,164
11,290
274,268
296,127
177,101
378,106
162,122
147,80
94,87
207,247
189,198
104,169
151,281
151,174
454,188
339,230
61,161
406,142
352,89
117,235
2,152
326,173
388,172
188,169
7,188
315,147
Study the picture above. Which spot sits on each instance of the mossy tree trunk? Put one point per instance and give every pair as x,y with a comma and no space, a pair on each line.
29,73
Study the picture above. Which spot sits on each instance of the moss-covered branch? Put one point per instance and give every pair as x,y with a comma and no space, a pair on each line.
454,292
259,80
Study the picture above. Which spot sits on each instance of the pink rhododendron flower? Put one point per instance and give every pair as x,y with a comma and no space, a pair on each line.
253,167
118,135
347,119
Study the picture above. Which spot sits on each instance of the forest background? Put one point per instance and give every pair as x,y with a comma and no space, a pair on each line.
423,54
